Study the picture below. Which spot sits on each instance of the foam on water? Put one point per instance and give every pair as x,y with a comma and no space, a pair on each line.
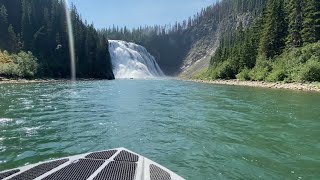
130,60
30,131
5,120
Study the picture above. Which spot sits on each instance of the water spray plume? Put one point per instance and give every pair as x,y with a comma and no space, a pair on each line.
71,41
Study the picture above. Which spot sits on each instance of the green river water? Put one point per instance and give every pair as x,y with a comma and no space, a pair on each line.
199,131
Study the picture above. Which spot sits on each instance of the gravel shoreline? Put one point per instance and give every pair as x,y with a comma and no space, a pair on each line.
277,85
25,81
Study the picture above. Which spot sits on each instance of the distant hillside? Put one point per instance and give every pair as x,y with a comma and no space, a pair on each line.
244,39
177,47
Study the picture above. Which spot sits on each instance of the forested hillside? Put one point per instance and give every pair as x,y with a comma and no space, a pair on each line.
281,45
34,42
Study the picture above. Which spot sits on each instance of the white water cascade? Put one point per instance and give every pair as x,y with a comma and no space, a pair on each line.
130,60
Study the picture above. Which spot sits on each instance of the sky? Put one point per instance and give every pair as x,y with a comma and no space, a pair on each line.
135,13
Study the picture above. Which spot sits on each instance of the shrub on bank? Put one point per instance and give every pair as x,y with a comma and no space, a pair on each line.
202,75
222,70
244,75
21,65
4,57
311,70
299,64
261,70
278,72
293,65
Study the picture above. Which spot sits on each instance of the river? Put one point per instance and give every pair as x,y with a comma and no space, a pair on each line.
199,131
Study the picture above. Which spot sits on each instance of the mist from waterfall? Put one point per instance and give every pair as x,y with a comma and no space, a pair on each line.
130,60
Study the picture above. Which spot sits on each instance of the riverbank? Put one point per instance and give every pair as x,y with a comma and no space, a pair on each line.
24,81
277,85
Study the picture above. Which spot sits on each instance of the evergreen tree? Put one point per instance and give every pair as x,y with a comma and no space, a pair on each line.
317,19
3,25
3,15
275,29
309,11
13,43
294,38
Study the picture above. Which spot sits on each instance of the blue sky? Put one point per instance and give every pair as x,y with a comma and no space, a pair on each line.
133,13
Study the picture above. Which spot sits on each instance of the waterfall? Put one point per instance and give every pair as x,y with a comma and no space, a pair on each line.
130,60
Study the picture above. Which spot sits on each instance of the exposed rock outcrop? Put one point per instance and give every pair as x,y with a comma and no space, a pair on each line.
203,48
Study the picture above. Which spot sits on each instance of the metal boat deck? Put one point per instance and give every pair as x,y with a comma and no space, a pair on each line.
114,164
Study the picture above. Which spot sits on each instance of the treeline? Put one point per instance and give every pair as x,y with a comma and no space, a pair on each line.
39,26
214,13
171,43
281,45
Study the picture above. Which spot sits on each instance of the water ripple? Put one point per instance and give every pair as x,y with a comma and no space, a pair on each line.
200,131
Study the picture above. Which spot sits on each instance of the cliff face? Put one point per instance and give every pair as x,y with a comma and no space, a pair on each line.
198,57
215,22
